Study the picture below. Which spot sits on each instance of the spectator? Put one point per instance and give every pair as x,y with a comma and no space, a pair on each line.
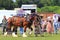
55,24
49,27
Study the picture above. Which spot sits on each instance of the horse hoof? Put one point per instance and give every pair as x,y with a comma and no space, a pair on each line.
5,34
30,33
24,35
14,35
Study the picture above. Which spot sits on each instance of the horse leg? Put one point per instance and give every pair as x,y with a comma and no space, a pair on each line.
14,34
31,29
40,30
24,34
15,30
7,30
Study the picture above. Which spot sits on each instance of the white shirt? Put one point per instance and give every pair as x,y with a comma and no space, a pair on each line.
55,17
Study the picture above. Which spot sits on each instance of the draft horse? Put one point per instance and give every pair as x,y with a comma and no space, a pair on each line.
17,21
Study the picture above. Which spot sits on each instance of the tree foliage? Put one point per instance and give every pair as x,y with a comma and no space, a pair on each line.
9,4
55,9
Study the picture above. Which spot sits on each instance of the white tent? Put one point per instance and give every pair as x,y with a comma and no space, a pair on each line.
7,13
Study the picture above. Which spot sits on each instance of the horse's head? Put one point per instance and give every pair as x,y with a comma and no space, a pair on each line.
32,17
37,19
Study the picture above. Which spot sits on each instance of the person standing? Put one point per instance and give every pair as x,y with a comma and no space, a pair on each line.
4,23
55,24
49,27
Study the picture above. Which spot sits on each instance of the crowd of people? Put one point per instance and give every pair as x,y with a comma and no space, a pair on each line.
51,24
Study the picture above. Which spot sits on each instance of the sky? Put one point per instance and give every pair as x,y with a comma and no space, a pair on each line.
7,13
14,0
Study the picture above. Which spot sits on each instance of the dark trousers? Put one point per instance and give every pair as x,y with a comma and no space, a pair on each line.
4,29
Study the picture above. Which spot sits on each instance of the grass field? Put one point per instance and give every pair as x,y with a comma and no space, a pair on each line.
32,37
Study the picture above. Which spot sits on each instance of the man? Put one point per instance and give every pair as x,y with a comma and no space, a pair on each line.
4,24
55,24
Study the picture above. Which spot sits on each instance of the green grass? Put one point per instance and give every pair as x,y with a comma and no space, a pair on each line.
32,37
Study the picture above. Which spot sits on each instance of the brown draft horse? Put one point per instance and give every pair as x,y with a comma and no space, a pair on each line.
17,21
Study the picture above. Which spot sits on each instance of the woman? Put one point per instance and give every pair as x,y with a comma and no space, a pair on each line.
49,27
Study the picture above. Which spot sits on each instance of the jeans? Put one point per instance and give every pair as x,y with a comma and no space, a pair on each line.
21,30
55,27
58,24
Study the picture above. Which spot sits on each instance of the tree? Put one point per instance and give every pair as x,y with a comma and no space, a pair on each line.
7,4
0,3
19,3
